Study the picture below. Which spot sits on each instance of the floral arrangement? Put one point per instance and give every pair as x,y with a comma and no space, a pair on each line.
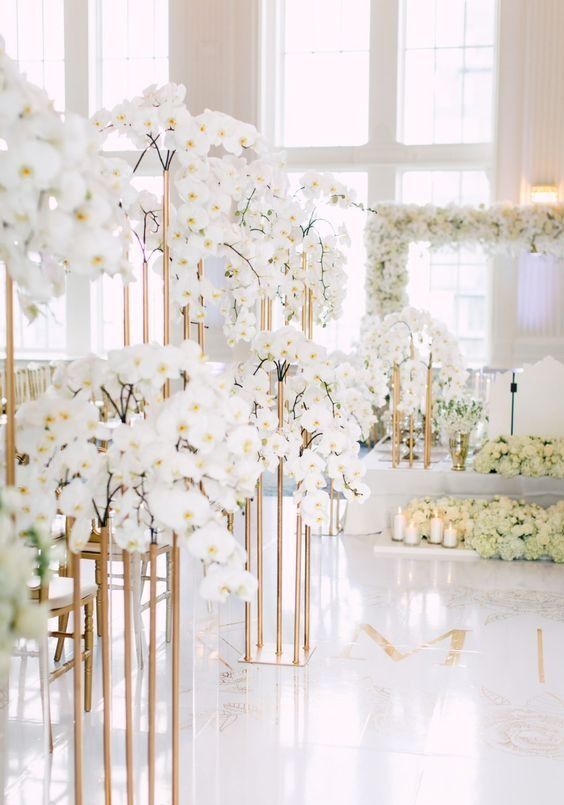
412,339
459,415
533,456
24,553
319,434
501,527
175,465
235,203
537,228
60,200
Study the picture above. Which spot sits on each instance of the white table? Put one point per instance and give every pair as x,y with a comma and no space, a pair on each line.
391,488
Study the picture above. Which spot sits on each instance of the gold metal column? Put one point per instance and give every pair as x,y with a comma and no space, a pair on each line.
260,579
152,671
126,317
201,324
248,656
77,680
128,672
298,589
279,527
9,384
175,671
145,285
106,673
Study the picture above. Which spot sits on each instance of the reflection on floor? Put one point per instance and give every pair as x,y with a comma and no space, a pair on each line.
432,682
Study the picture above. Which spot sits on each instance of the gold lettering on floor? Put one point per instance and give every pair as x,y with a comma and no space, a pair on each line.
457,638
540,656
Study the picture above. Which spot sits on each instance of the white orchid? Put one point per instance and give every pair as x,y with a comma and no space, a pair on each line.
179,468
60,199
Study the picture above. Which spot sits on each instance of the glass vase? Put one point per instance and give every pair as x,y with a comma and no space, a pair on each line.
458,446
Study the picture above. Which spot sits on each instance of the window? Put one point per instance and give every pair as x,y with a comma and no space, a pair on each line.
379,77
46,335
448,59
131,49
131,52
324,76
34,34
452,283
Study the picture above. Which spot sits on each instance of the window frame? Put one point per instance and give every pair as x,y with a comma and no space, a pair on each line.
384,158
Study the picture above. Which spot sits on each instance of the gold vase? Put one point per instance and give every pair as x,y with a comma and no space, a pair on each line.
458,446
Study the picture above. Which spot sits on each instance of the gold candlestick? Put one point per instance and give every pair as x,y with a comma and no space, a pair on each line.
396,436
428,435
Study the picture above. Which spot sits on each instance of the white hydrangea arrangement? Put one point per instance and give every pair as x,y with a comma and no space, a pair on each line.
499,528
532,456
459,415
174,465
536,228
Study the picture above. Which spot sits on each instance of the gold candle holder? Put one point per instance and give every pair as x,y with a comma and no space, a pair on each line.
396,435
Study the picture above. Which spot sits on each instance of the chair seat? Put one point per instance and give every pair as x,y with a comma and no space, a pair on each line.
61,591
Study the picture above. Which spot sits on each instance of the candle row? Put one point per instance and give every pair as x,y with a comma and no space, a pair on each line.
409,532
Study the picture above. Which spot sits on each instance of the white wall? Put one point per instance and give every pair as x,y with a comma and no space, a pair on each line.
529,151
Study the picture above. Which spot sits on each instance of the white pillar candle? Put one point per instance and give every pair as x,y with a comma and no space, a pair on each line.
437,526
399,526
412,536
450,538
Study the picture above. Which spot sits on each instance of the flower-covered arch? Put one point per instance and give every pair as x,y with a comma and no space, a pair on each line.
508,228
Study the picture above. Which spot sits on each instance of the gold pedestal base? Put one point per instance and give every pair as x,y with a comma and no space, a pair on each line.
267,656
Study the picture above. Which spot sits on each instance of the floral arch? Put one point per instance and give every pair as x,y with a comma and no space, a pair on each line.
507,228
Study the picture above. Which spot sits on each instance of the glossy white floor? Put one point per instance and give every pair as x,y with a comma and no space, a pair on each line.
433,681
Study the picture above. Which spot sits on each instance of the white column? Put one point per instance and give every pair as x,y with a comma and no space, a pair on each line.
77,295
214,50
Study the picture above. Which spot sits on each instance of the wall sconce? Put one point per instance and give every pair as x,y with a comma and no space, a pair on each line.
544,194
